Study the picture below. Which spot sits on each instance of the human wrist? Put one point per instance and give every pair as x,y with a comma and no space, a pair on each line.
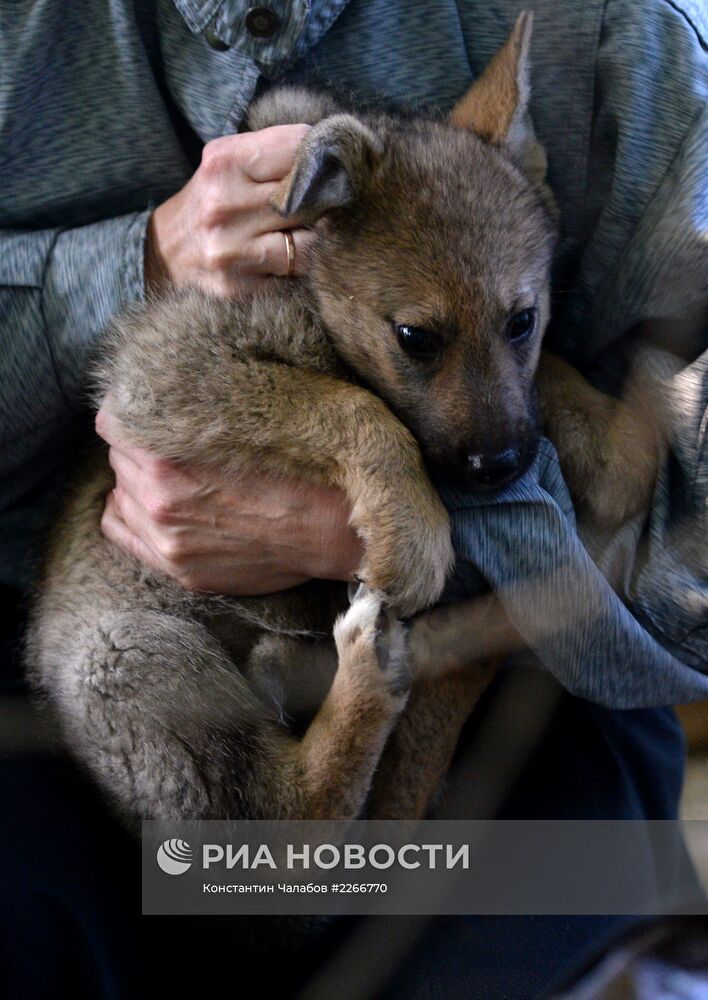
162,244
155,268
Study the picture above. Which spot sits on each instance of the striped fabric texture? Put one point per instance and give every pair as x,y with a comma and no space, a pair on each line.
104,107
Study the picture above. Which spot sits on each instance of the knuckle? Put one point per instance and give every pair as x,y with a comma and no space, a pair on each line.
214,157
215,256
172,552
189,581
159,469
212,212
160,509
106,523
260,256
248,150
115,500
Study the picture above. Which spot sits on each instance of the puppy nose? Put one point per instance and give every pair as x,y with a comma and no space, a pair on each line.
487,469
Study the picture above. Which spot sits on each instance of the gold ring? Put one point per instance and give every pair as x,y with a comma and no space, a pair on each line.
290,251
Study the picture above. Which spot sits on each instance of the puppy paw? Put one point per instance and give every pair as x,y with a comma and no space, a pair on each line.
372,643
409,565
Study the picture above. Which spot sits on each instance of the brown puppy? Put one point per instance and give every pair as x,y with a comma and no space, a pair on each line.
414,342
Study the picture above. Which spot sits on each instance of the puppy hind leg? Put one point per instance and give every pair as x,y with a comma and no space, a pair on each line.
449,677
156,709
171,729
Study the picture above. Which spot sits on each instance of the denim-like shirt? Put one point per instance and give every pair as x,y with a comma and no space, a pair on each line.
104,108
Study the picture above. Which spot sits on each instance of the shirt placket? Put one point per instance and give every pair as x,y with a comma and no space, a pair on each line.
266,33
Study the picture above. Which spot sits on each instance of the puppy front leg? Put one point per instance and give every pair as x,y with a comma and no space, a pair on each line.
343,744
454,651
608,448
420,749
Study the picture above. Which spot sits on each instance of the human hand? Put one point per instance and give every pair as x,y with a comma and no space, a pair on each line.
219,232
256,536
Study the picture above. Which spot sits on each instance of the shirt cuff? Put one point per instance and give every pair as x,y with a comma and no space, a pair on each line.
91,273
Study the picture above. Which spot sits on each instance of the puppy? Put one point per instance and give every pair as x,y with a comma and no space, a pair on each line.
411,347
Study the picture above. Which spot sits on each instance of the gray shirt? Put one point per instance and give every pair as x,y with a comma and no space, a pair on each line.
103,111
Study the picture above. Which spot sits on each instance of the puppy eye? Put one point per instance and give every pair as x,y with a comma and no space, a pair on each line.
520,325
417,341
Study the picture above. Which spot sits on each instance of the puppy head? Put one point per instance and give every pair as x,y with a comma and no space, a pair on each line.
431,270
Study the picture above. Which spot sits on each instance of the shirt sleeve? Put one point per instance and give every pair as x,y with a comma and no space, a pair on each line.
58,290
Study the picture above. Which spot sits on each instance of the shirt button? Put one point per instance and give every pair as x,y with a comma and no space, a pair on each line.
262,22
214,41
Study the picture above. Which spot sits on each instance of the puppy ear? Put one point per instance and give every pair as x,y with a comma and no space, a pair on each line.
496,105
331,163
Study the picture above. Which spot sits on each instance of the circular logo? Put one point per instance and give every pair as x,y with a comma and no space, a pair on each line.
174,857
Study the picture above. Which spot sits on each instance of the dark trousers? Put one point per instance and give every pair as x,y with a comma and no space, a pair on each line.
70,921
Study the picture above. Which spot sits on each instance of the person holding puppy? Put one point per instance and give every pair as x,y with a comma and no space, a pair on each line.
117,189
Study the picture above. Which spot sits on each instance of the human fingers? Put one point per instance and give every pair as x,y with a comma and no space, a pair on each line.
117,531
265,155
267,254
111,430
